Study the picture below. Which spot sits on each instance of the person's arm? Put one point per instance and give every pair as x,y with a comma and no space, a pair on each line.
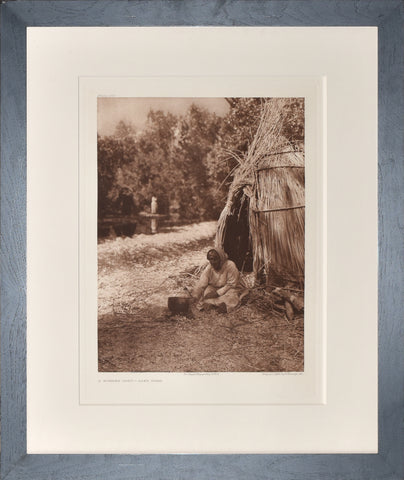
233,276
202,283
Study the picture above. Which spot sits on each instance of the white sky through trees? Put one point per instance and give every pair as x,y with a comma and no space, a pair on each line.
111,110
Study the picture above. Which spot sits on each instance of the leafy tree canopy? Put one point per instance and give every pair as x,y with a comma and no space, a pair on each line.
186,161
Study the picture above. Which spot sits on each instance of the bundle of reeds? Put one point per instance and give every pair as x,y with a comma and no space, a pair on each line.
271,178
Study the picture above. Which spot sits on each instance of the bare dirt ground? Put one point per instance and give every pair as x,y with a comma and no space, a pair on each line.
137,333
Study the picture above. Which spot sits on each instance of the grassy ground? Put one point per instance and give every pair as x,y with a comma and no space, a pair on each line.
136,332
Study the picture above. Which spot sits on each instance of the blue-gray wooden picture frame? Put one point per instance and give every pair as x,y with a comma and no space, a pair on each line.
388,16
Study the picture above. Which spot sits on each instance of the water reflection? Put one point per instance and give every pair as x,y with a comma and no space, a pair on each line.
127,227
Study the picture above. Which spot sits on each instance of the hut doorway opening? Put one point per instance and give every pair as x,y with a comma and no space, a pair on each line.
237,242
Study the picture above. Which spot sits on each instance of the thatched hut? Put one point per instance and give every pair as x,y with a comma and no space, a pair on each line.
262,224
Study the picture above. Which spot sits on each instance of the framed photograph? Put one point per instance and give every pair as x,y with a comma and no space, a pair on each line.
201,244
178,201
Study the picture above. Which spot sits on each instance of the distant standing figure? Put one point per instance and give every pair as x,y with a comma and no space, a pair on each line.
153,211
154,205
126,204
219,284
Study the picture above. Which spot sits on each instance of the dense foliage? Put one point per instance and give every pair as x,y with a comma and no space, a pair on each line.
185,161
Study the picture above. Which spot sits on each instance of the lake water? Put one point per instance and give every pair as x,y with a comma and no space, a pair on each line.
115,227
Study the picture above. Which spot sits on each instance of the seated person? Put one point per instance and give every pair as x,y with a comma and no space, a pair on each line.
219,284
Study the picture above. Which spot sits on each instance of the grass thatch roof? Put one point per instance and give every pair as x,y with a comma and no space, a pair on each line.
270,178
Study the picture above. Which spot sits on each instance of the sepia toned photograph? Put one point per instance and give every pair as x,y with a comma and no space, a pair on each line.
201,234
